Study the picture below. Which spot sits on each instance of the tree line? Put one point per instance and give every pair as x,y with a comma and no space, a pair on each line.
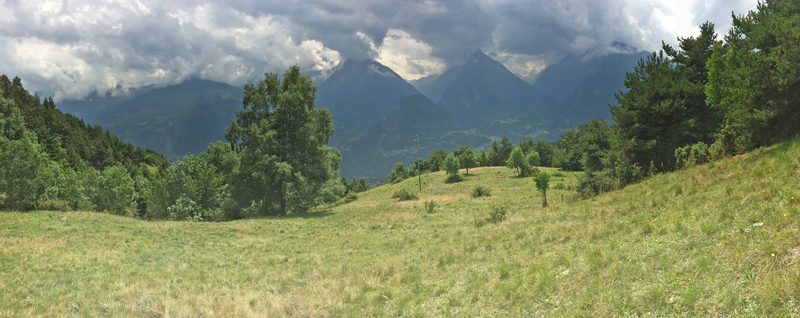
702,101
686,105
275,160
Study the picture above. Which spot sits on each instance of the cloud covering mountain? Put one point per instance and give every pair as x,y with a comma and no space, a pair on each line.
69,49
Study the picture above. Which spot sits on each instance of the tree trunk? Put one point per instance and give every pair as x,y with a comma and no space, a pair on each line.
544,195
283,199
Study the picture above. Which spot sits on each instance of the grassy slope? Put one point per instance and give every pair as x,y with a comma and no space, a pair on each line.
715,240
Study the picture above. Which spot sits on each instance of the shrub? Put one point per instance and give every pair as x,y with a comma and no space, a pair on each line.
591,184
497,213
695,154
481,191
430,206
404,195
52,205
453,178
350,197
543,183
184,209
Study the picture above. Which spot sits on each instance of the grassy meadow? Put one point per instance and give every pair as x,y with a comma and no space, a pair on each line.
721,239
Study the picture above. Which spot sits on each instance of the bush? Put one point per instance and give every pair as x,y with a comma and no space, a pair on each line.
497,213
695,154
52,205
453,178
231,210
591,184
184,209
430,206
404,195
481,191
543,183
350,197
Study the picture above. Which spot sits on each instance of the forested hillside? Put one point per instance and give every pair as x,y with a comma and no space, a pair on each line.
277,161
68,140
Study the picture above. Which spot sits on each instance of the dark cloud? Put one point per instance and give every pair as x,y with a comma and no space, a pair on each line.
72,48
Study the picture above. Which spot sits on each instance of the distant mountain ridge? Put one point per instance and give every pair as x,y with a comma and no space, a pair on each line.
379,117
585,87
175,120
359,93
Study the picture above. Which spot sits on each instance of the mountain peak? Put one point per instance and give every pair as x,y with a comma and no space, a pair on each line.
478,55
366,67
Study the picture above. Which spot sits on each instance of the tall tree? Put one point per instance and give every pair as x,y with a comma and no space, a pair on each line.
467,158
281,137
665,107
451,165
517,160
755,79
436,159
398,173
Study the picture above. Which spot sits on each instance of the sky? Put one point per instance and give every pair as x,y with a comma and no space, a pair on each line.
70,49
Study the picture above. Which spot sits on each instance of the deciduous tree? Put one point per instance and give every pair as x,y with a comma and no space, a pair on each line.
281,138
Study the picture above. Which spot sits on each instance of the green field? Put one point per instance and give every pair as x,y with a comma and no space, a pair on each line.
722,239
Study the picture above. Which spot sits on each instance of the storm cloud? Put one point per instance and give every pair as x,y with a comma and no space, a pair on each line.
70,49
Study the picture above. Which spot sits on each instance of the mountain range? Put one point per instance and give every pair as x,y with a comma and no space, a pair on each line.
379,117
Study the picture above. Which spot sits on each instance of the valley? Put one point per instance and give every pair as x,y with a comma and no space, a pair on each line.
373,108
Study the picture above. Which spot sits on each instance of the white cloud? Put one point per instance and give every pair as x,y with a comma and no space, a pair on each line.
408,57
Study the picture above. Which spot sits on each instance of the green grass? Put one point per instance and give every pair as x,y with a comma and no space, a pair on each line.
726,244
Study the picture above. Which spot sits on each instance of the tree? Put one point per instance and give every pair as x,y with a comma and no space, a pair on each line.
547,152
397,174
595,139
436,159
483,160
517,160
533,159
665,106
501,151
754,78
12,124
194,180
115,191
492,158
543,183
281,138
467,159
451,165
26,173
572,151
